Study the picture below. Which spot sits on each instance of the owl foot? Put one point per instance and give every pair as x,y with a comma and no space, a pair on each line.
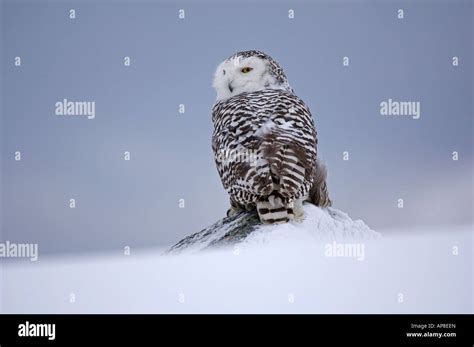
232,211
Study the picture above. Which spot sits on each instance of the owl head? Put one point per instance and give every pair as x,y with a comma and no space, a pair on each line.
248,71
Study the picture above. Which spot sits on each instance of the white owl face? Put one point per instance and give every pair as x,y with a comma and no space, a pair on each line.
240,74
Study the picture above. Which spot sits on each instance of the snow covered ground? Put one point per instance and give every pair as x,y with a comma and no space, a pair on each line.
281,269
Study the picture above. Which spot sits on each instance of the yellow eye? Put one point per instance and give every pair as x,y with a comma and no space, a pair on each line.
246,69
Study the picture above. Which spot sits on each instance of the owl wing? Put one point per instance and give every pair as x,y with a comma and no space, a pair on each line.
275,128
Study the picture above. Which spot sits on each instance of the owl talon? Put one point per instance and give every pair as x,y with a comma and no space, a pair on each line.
232,211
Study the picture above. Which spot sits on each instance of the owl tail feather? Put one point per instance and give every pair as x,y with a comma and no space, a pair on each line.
272,210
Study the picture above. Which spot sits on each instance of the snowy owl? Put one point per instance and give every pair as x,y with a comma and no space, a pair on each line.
264,140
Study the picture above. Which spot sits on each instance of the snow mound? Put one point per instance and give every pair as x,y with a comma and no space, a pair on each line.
245,229
319,224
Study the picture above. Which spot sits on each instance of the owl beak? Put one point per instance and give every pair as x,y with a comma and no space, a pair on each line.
230,87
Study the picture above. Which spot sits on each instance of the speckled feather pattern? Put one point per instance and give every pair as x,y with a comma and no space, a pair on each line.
287,148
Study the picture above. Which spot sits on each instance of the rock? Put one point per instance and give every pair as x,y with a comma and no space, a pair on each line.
319,224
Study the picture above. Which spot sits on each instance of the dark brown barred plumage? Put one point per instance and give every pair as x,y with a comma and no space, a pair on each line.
277,128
